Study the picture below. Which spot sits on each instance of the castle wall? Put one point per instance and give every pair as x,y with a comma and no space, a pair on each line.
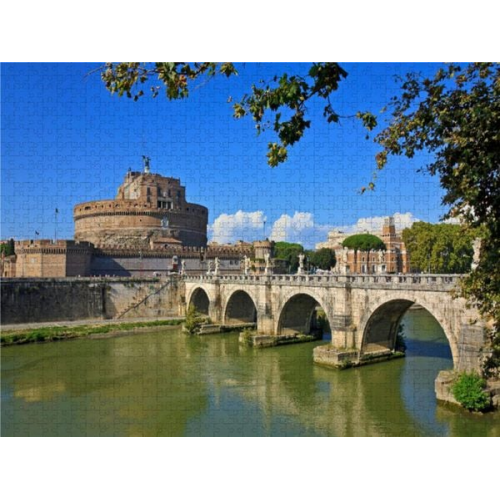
48,258
147,266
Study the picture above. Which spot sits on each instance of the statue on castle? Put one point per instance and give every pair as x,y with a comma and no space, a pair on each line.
146,160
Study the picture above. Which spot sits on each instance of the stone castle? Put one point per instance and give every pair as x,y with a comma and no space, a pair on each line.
150,211
149,229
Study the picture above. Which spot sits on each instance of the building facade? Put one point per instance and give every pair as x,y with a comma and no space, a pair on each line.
394,259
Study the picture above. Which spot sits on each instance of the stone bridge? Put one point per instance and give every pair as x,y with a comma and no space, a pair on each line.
364,311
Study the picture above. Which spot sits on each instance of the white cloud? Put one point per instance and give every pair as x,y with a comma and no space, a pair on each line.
374,224
228,228
299,228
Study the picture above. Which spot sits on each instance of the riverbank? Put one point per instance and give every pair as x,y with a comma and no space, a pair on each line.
30,333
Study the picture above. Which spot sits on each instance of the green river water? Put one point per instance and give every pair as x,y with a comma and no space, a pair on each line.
169,384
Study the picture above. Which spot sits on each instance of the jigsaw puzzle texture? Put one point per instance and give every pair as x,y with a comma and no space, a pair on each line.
208,294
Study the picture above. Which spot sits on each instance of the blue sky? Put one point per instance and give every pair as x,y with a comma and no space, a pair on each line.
66,140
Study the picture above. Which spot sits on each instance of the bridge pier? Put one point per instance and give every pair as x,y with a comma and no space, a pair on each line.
343,332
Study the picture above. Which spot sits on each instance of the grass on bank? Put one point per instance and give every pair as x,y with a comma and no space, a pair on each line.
50,333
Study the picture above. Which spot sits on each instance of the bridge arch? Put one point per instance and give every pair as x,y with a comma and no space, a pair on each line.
299,314
379,326
240,308
200,299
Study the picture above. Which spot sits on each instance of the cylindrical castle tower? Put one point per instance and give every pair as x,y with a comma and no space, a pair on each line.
149,211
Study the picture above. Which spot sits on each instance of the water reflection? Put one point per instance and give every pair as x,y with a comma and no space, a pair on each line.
166,383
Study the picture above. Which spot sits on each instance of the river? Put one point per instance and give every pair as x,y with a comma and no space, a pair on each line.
169,384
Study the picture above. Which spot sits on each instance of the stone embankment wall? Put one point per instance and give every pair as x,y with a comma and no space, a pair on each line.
37,300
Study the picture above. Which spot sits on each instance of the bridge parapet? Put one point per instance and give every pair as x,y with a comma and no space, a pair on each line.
442,282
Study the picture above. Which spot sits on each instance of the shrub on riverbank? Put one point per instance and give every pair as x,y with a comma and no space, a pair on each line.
468,391
194,320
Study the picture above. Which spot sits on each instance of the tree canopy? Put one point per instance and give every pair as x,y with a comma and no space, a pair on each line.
454,118
364,242
289,252
323,258
439,248
280,105
7,248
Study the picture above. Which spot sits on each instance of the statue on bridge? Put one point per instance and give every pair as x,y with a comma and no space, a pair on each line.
477,253
301,263
217,266
267,261
209,267
246,262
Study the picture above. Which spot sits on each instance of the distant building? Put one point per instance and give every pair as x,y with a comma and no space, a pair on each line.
394,259
334,242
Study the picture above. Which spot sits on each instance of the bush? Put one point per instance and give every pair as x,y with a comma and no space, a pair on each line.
246,336
468,391
364,242
193,321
